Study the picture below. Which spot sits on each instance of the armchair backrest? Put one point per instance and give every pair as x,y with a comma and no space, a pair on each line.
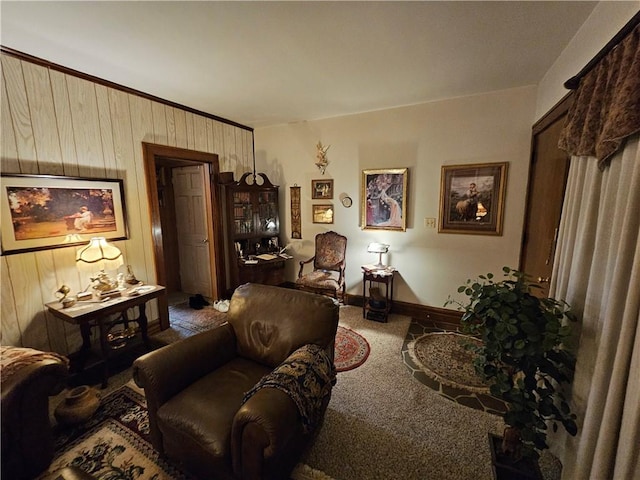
331,251
271,322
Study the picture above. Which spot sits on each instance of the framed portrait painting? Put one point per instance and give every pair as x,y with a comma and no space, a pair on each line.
47,211
472,198
384,199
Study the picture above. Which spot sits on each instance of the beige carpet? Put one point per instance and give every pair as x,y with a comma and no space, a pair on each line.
384,424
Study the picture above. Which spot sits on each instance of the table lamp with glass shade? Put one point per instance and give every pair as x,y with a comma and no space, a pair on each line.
99,256
378,248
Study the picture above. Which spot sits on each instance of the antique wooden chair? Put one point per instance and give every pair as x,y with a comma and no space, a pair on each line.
329,261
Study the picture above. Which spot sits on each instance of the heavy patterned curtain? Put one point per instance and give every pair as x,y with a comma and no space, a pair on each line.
597,267
606,108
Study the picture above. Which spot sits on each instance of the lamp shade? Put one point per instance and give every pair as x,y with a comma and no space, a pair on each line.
98,253
378,248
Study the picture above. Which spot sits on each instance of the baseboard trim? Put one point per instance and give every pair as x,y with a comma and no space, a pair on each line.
439,317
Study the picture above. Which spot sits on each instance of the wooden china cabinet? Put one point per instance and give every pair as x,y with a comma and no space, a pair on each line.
252,225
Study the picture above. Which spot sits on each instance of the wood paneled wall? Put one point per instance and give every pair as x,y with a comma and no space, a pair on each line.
57,123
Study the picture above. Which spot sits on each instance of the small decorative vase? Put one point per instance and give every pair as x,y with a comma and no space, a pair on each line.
78,406
130,278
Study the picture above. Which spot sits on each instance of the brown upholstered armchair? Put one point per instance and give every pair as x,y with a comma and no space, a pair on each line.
329,262
215,404
29,378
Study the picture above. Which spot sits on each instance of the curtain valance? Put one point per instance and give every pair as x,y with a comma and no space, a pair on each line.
606,108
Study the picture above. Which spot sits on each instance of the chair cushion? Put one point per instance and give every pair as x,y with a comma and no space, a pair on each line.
320,279
196,423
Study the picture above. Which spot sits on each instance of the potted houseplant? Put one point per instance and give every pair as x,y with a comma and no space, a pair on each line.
524,359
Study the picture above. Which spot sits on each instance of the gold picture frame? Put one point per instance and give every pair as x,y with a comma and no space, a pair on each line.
322,213
472,198
384,199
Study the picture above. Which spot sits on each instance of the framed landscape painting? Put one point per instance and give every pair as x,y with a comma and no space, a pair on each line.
384,199
472,198
322,213
46,211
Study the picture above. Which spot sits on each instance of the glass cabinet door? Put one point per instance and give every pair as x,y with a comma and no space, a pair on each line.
243,213
268,223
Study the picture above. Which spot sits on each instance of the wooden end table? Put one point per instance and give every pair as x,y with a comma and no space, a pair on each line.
96,313
377,308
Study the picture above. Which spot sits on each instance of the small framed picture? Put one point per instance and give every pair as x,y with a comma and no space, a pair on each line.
322,189
472,198
384,199
322,213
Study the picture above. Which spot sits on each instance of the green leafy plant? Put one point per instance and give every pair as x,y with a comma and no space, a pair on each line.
523,356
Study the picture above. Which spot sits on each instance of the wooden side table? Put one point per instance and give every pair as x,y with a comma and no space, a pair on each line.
94,313
375,306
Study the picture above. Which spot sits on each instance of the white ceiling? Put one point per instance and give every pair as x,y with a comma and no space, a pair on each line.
265,63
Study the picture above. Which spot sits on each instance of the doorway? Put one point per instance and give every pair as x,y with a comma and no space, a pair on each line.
191,227
545,194
159,163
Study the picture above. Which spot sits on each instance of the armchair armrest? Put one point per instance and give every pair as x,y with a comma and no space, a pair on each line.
265,426
303,263
286,405
170,369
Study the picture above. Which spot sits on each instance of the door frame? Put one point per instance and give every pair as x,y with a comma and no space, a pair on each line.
559,110
157,155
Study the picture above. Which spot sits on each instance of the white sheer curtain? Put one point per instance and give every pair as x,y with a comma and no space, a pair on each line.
597,271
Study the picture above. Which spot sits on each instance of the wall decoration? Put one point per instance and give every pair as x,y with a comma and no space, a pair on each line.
472,198
384,199
346,200
322,213
321,157
296,220
45,211
322,189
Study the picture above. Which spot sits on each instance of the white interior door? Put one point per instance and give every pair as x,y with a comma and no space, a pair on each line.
191,218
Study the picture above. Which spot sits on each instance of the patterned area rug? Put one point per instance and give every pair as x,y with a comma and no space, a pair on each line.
445,357
114,444
352,349
184,317
438,359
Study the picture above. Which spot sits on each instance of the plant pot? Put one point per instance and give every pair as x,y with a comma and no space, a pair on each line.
78,406
506,468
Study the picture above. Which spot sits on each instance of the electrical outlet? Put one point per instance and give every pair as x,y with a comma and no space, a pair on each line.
430,222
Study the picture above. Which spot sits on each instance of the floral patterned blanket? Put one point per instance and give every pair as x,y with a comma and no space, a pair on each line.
12,359
307,376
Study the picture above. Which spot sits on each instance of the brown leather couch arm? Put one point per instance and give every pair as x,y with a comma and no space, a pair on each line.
27,438
264,429
170,369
